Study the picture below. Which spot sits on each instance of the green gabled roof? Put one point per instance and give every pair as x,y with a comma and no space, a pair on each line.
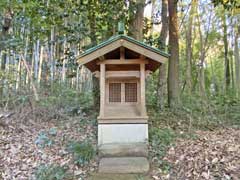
117,37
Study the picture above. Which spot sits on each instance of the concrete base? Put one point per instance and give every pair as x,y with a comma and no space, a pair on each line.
124,165
123,150
122,133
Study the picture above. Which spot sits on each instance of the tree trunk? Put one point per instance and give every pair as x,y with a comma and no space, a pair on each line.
136,26
162,81
237,62
64,69
226,60
95,81
40,66
232,71
18,75
173,67
52,69
25,57
65,49
36,60
203,50
201,75
7,21
189,48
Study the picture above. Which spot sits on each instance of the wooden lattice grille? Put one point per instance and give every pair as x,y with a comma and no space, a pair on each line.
130,92
114,92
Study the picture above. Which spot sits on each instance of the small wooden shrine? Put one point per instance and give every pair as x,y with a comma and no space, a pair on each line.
122,65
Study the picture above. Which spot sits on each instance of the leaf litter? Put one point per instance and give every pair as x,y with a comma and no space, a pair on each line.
22,133
213,155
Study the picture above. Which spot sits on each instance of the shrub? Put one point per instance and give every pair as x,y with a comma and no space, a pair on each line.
82,152
52,172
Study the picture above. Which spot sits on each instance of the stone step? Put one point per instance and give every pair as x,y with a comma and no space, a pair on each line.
103,176
123,150
124,165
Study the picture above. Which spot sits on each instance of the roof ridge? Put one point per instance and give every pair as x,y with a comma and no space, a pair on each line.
128,38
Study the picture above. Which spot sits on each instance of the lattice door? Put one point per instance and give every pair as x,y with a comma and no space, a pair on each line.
114,92
130,92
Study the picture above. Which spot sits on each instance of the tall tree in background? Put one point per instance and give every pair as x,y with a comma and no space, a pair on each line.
226,59
136,26
7,21
204,47
173,67
237,60
189,47
163,68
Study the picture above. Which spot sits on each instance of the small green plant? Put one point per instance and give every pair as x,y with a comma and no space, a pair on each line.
52,172
162,136
45,138
82,152
160,140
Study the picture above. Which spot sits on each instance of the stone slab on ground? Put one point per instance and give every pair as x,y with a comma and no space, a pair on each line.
102,176
123,149
124,165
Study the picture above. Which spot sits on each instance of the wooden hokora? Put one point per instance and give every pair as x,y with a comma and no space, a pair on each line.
122,64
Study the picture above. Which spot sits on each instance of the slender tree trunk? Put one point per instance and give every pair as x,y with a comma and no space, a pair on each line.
18,75
189,48
65,49
162,79
232,71
25,57
36,59
32,83
40,66
203,51
226,59
173,67
64,68
201,73
95,81
136,26
237,61
52,69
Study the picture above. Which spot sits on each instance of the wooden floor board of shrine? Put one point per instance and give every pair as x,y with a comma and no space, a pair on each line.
122,111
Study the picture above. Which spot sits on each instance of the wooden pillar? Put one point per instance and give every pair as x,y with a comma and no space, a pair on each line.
142,89
102,89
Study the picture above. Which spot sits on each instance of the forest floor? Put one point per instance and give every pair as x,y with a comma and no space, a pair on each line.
29,140
207,155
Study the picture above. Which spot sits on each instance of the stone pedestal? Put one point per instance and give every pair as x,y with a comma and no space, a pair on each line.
122,133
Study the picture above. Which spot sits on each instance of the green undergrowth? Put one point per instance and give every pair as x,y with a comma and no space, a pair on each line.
160,141
70,101
194,113
61,98
82,152
52,172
